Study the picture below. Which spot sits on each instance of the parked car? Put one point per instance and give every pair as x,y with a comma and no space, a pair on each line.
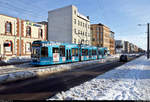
124,58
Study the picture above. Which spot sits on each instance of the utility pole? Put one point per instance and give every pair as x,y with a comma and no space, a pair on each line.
147,40
80,50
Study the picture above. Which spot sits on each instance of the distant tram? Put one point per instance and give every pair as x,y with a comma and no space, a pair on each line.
50,52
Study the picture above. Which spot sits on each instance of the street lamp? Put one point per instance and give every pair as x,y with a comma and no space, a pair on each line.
147,38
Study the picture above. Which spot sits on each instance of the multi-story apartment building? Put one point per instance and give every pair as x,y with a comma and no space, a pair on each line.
131,48
16,36
102,36
112,43
68,25
135,49
97,35
127,46
120,46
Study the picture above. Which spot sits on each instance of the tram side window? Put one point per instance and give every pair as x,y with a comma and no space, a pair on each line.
62,52
44,52
86,52
93,52
83,52
55,50
100,52
74,52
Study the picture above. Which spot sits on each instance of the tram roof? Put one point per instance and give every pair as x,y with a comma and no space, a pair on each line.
53,43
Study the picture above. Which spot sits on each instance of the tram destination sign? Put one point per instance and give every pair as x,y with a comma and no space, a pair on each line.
50,44
36,45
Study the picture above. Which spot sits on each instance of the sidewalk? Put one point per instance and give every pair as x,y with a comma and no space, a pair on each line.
130,81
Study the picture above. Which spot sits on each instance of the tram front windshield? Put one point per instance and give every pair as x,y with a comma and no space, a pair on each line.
35,52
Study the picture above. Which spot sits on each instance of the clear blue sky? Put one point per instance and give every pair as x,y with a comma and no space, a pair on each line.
121,16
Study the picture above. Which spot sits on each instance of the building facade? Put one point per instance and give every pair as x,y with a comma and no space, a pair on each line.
120,46
16,36
68,25
112,43
102,36
127,47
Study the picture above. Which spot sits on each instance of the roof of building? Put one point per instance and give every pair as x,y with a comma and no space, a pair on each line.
19,18
61,8
100,25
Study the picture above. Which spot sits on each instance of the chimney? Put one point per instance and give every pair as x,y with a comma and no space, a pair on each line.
87,17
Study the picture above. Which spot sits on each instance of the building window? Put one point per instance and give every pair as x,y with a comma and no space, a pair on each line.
79,41
88,26
78,23
75,31
8,27
75,12
40,33
82,41
97,35
8,46
93,39
74,21
74,41
87,42
85,33
28,31
78,31
28,47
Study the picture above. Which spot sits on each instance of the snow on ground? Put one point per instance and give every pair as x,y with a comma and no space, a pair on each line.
18,59
128,82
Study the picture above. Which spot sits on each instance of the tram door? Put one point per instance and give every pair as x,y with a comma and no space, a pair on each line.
68,54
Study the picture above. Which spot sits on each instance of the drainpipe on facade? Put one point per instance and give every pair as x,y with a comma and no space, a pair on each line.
14,40
20,37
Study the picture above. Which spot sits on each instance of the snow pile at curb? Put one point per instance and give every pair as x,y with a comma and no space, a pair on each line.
60,68
18,59
127,82
16,76
43,71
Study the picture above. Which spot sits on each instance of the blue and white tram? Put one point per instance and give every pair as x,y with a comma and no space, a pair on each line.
50,52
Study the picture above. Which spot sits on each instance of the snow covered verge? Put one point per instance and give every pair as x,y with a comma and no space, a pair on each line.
130,81
23,72
18,59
